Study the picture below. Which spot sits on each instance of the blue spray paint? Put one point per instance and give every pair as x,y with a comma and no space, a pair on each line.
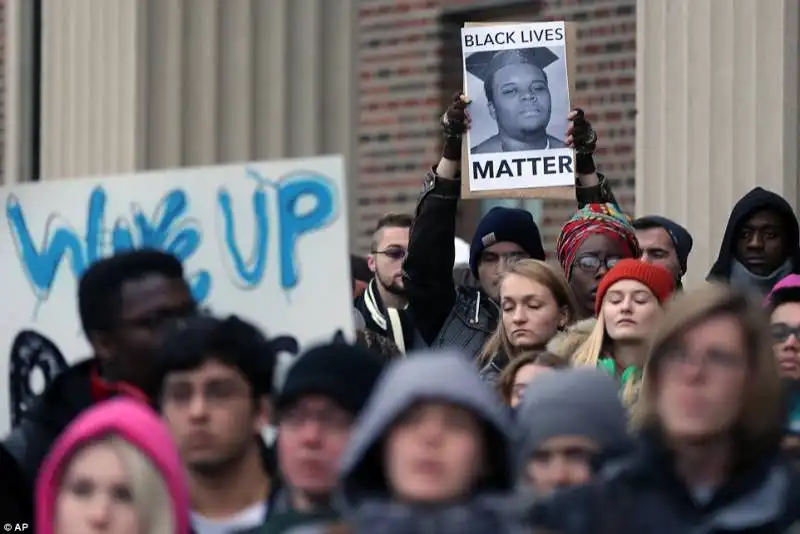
168,229
292,224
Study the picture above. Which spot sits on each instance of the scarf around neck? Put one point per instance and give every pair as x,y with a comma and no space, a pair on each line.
740,276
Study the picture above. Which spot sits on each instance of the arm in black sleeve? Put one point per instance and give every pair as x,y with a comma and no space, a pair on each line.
428,268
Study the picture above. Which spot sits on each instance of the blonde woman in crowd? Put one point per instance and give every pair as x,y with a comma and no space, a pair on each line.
114,470
628,305
709,420
522,369
535,302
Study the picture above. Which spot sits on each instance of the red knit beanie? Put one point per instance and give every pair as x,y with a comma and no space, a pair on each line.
659,280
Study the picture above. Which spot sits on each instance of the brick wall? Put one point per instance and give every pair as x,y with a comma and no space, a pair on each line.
410,65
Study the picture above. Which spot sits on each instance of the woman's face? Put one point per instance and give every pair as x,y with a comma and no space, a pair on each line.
434,453
522,378
785,324
596,255
531,315
702,379
95,495
630,311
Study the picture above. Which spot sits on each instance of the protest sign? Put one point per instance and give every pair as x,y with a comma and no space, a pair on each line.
266,241
516,76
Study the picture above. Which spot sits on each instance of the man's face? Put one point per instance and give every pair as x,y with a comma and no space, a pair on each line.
312,435
659,249
702,380
149,305
212,415
496,260
386,261
561,462
520,99
761,242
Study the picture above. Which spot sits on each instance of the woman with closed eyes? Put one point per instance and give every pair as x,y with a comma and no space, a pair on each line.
628,305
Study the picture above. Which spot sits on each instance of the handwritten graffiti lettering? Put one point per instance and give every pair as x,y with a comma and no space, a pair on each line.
303,203
293,222
168,228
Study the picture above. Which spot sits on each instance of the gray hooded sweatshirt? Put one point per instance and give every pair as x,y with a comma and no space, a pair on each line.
365,498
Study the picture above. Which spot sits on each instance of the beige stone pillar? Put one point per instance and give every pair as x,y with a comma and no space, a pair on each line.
140,84
717,102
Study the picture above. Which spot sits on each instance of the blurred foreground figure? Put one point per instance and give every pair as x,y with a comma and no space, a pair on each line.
115,470
570,423
711,418
431,453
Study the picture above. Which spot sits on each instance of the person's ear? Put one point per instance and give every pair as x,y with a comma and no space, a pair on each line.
264,414
371,262
492,111
102,345
563,318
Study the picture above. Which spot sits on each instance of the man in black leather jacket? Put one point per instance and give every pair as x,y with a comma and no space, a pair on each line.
464,317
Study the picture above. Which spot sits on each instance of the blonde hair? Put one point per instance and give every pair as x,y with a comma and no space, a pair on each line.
151,498
760,423
541,273
590,352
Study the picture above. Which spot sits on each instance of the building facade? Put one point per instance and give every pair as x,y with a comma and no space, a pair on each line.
694,102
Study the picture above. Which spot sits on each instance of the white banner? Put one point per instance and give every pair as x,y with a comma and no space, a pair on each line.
267,241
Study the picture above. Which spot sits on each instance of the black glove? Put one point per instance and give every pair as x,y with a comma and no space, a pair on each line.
455,123
584,141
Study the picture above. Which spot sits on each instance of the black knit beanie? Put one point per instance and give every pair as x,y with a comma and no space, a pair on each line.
342,372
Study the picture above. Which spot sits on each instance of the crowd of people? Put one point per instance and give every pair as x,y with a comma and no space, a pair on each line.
487,391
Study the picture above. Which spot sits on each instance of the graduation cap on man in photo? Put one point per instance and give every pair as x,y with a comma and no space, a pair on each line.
485,64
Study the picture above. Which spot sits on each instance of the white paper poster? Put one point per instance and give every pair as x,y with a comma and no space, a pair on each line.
516,78
266,241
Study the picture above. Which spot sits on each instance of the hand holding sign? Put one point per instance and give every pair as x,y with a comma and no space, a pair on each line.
455,122
580,134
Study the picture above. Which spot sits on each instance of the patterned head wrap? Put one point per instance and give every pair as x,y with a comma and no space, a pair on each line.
605,219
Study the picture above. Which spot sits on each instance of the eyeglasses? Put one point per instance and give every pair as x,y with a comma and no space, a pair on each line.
781,332
712,359
393,253
591,263
160,319
216,392
330,420
509,258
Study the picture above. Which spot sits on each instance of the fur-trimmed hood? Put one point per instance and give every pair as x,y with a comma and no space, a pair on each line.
565,343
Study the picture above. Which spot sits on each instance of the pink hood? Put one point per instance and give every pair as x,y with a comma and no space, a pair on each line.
790,281
135,423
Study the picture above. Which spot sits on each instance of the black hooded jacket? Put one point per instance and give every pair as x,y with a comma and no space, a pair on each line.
757,199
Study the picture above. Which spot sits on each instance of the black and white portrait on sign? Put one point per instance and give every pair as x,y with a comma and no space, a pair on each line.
516,105
516,79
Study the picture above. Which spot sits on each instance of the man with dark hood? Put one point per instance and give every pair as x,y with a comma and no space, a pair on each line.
761,242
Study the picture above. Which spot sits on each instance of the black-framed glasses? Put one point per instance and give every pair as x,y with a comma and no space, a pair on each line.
591,263
780,332
393,253
159,319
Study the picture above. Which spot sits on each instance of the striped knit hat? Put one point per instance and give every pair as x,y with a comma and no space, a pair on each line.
605,219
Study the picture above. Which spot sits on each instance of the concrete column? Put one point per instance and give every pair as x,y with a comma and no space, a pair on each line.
717,102
139,84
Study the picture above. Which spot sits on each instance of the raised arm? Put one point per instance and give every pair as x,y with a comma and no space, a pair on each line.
428,268
590,186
